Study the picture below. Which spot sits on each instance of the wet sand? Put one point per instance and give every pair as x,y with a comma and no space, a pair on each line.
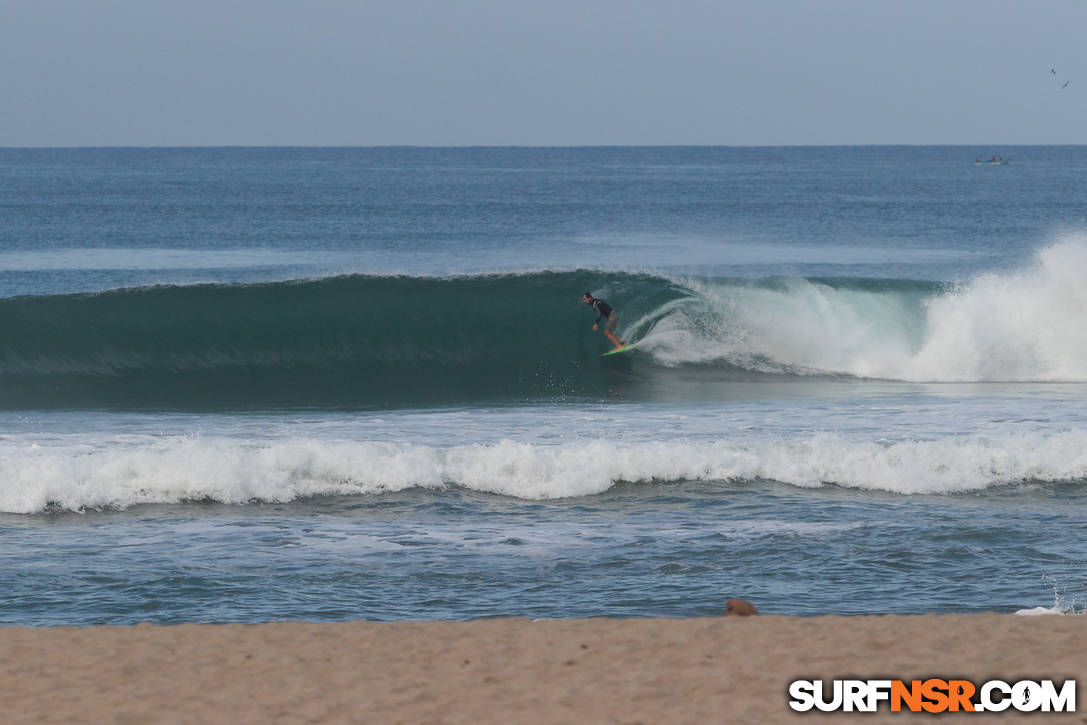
709,670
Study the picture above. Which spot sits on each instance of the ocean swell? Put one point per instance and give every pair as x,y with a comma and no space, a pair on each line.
342,342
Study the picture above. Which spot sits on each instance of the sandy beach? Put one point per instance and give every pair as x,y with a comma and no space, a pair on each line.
726,669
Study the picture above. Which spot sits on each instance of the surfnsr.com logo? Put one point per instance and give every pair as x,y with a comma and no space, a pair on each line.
932,695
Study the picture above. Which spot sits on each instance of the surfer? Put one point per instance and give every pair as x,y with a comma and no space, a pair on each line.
605,311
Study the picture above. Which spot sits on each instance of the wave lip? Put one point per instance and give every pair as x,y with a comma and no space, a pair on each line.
171,470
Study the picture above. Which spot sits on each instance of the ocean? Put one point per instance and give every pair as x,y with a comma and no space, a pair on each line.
256,384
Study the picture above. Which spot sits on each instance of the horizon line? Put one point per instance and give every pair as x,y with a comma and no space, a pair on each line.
533,146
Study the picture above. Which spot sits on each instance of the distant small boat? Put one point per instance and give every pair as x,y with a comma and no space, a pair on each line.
994,161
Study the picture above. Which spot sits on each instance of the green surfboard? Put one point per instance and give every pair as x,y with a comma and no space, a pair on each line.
616,352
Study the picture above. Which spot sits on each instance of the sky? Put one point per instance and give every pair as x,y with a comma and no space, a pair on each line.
541,72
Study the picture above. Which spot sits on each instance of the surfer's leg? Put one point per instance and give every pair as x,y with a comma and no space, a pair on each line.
609,331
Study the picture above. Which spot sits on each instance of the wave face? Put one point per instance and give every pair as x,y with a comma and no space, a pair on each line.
335,342
176,469
358,341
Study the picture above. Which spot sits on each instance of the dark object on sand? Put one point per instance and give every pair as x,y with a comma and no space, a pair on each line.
739,608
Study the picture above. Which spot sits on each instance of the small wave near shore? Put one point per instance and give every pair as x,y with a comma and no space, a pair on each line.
80,476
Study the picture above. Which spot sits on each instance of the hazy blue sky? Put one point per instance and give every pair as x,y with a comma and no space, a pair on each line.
549,72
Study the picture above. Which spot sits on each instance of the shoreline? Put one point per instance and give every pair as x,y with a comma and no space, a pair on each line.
646,670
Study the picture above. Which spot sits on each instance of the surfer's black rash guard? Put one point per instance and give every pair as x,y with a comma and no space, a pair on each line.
603,309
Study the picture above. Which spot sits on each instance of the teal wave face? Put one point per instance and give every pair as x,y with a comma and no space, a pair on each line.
352,341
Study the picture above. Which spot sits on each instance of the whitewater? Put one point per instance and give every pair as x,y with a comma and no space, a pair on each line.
178,470
322,384
1015,325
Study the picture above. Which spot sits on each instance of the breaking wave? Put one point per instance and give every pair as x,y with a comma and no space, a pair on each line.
363,341
175,469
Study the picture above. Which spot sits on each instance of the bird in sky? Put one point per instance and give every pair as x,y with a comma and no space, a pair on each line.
1065,84
1053,71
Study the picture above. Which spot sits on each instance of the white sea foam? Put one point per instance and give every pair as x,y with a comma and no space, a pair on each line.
172,469
1063,602
1024,325
1039,611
